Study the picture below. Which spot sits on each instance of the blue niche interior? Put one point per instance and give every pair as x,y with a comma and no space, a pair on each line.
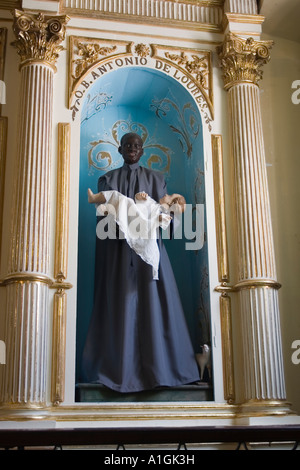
162,111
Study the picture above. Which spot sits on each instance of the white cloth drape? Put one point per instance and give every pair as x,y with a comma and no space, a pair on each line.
139,221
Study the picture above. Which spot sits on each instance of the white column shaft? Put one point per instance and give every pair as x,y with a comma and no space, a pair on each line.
24,380
263,363
27,298
248,7
264,375
30,242
255,237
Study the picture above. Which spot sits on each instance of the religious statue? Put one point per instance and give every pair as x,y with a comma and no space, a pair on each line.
138,337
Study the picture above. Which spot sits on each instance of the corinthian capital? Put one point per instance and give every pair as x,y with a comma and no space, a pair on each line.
38,37
242,59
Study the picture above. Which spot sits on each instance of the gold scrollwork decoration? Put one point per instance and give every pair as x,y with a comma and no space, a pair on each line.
98,158
38,37
189,128
85,53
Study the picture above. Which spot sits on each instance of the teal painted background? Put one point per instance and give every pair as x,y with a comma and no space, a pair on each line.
164,114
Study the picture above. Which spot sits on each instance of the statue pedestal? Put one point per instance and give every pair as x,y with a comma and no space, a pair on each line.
96,393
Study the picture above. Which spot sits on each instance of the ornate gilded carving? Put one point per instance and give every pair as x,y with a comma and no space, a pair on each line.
90,53
38,36
198,66
241,59
193,62
86,52
91,58
142,50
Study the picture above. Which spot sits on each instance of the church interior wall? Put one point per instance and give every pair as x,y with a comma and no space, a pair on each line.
282,141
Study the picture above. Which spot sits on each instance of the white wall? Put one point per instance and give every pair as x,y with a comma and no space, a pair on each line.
281,121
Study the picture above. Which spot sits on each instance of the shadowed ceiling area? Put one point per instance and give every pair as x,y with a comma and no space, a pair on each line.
282,18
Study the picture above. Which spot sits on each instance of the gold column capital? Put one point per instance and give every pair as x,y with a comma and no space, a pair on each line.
39,37
241,59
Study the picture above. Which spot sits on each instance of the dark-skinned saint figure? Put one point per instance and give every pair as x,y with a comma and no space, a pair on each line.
138,337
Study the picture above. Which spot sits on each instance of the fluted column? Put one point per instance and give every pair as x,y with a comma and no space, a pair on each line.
257,286
28,277
248,7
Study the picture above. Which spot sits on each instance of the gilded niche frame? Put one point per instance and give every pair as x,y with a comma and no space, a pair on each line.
88,59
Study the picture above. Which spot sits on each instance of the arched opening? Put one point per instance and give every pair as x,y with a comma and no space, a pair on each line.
163,112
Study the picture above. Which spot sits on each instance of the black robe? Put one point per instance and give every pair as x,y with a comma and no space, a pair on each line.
138,337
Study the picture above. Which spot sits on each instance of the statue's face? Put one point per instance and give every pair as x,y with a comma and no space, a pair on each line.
131,148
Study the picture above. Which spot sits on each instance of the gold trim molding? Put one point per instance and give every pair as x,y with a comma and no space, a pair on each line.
227,349
113,412
241,59
248,284
58,347
219,192
223,269
61,264
33,277
62,202
38,37
243,18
